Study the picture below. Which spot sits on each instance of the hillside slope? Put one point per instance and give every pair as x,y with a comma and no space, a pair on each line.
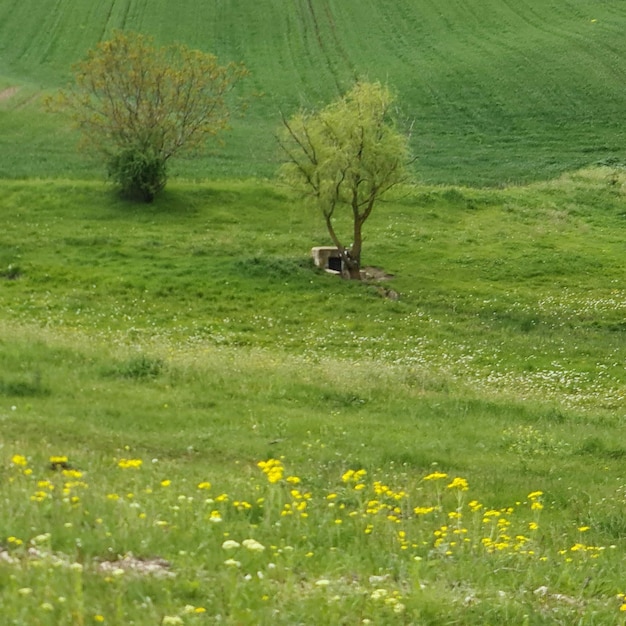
496,91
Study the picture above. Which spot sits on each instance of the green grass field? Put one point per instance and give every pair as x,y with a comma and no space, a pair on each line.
497,92
195,336
199,427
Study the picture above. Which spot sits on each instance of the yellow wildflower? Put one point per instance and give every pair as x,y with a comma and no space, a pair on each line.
273,469
436,476
423,510
353,476
72,473
130,463
459,483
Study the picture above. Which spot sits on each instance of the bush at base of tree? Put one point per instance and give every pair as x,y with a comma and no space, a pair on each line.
139,174
139,105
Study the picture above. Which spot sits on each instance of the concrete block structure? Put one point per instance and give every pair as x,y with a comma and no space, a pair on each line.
328,258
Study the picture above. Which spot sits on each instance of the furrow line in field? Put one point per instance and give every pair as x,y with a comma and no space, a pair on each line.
442,63
490,92
295,59
306,55
539,66
125,12
107,21
395,33
7,9
53,33
399,47
543,21
286,61
586,61
322,44
338,44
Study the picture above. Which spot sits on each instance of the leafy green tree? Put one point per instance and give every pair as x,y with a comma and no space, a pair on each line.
139,105
346,157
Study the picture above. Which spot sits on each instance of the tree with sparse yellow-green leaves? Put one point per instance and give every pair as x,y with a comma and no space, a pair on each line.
346,157
139,105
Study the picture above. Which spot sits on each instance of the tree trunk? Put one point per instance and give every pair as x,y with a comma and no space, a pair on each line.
354,269
353,260
351,257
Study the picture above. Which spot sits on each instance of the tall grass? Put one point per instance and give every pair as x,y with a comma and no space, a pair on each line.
132,540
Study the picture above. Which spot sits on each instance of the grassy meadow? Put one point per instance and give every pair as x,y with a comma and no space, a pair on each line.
452,456
197,426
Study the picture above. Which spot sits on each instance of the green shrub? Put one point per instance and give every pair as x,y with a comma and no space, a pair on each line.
140,367
140,174
28,387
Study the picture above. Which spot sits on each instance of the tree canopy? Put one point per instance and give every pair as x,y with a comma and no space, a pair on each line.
138,105
346,156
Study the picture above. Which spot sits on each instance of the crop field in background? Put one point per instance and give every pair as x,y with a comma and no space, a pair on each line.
495,92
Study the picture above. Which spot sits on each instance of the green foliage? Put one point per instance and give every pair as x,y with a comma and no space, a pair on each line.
23,386
346,156
138,106
141,367
12,272
140,175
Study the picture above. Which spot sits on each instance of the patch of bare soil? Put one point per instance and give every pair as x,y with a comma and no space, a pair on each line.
7,93
378,275
375,273
143,566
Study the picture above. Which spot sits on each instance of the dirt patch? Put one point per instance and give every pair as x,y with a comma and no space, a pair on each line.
7,93
143,566
375,273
